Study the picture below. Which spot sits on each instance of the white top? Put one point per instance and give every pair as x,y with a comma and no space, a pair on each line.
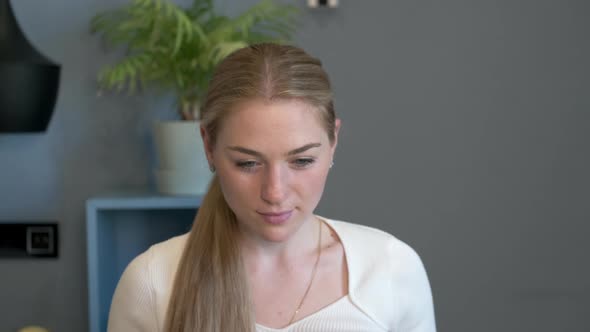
339,316
388,289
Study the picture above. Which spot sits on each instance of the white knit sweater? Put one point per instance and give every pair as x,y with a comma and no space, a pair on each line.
388,288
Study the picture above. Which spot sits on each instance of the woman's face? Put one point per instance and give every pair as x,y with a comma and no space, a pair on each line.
272,159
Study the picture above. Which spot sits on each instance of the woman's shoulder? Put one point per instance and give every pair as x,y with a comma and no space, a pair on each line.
169,248
141,295
383,267
166,251
162,258
154,265
365,239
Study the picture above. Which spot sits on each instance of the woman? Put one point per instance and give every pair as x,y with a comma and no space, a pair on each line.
257,258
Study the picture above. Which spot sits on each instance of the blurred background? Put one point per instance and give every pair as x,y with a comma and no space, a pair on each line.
466,134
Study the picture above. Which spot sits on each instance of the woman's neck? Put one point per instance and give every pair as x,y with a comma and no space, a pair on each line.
258,252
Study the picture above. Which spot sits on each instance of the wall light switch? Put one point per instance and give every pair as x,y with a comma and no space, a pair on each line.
22,240
40,240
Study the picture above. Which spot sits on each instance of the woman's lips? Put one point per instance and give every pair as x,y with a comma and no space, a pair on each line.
276,218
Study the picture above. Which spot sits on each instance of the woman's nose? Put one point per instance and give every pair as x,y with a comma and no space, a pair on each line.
274,185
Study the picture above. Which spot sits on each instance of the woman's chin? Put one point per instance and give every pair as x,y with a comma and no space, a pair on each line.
274,228
276,234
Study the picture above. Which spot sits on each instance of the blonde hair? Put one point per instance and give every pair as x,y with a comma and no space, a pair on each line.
210,291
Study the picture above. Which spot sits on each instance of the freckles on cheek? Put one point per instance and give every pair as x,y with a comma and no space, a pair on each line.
232,196
236,187
314,184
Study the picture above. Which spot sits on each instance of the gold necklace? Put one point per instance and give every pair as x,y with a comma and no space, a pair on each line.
315,267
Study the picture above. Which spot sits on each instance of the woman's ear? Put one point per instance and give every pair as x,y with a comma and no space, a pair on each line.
207,145
337,124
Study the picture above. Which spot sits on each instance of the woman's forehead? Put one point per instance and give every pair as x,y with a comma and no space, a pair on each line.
282,123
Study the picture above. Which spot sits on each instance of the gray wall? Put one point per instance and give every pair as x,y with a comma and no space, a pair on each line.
466,128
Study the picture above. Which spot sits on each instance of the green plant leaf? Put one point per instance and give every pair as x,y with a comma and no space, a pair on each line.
177,49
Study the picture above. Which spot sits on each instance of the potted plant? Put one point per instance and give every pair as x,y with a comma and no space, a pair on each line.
175,49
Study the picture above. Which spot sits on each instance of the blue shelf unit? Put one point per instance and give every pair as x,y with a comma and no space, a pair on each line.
120,227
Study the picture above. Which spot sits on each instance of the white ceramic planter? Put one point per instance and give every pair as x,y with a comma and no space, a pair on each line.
182,164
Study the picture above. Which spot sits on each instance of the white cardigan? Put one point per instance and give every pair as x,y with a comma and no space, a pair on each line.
386,281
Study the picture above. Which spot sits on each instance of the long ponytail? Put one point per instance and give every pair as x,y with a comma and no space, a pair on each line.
210,289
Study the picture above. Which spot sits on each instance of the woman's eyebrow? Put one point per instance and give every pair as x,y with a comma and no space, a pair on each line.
304,148
290,153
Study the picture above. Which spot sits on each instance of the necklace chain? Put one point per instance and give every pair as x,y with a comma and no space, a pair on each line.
313,272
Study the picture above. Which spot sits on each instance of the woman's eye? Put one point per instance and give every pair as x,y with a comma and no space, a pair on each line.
303,162
247,165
